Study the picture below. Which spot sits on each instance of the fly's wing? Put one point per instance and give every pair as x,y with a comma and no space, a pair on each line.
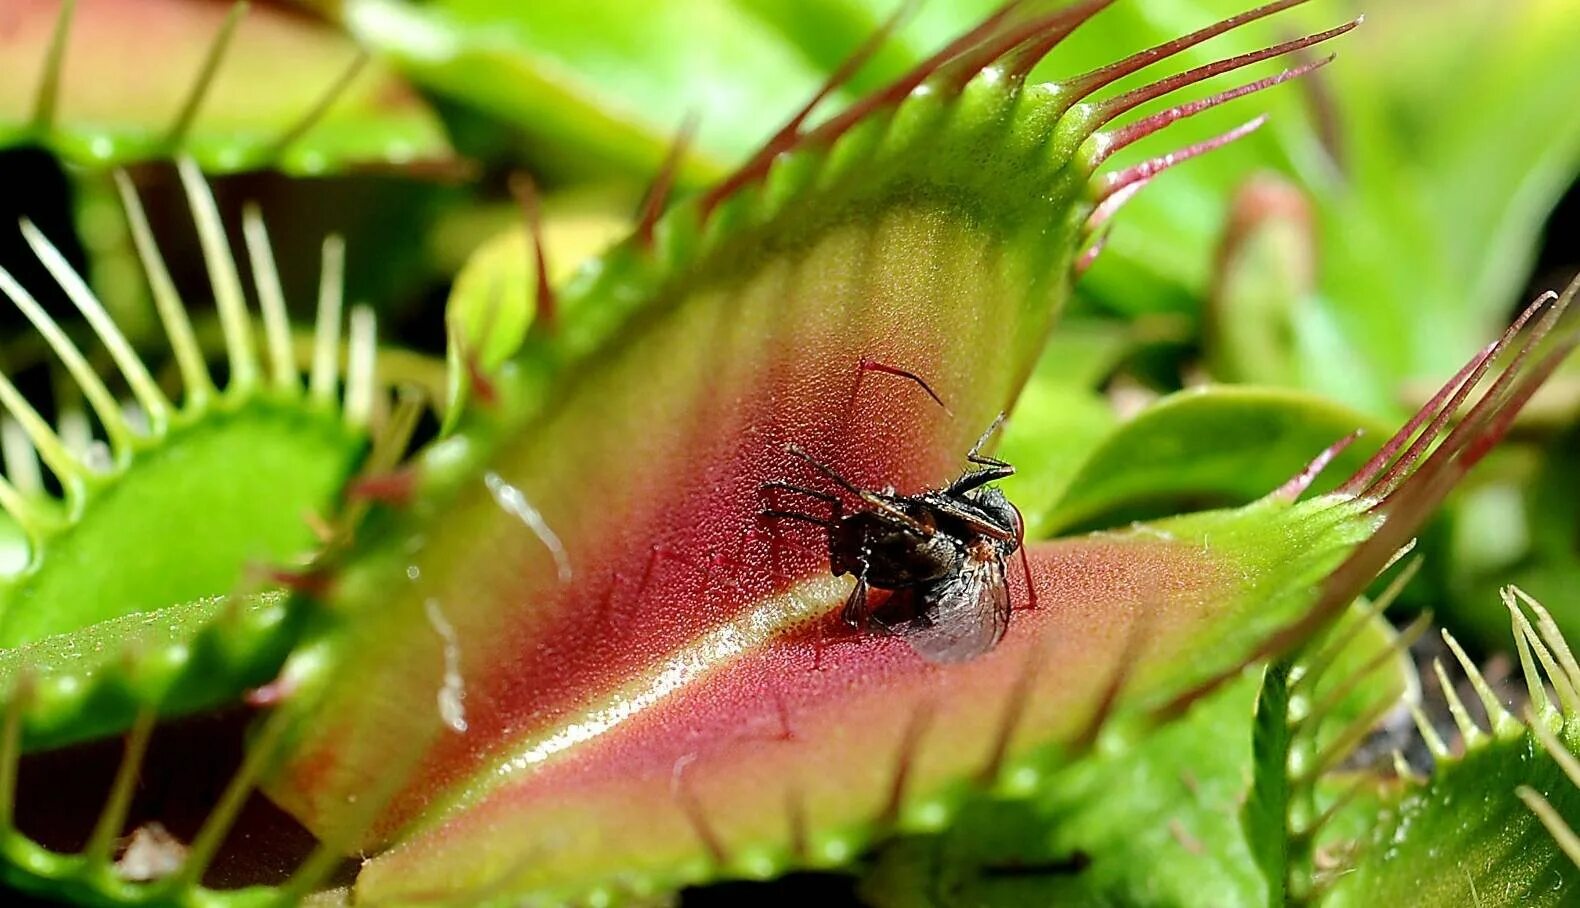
964,615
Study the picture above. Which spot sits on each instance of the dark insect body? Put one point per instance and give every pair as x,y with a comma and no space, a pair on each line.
940,554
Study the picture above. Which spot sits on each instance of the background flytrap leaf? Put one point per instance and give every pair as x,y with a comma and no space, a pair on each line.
1060,416
172,514
1467,835
1206,446
1456,180
611,79
1417,189
232,87
610,83
495,296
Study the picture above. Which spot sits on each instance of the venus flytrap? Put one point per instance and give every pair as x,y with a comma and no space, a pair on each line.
675,690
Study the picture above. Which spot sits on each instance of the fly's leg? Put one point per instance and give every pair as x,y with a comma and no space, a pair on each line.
975,454
882,503
833,475
992,470
855,612
835,508
775,514
1025,563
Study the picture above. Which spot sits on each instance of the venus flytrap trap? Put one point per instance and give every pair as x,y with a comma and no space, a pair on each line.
299,442
1456,198
105,628
1314,709
676,695
1477,830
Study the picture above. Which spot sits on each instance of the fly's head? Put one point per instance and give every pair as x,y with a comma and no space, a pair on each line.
997,507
